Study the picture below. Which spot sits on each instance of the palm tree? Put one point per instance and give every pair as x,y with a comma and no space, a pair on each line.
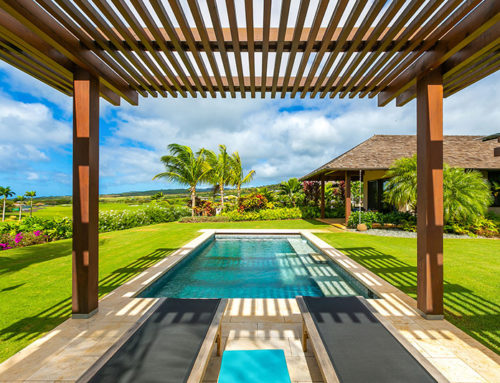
31,194
20,200
5,192
401,188
185,167
290,188
466,194
238,178
220,173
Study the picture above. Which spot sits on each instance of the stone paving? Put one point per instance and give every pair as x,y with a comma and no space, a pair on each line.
66,352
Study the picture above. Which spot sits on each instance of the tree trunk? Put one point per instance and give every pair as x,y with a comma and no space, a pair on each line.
193,201
20,212
31,208
239,193
3,211
222,196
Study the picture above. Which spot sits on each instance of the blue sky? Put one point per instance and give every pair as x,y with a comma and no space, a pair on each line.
277,138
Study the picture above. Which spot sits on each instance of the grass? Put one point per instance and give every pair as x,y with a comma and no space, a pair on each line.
66,210
471,276
35,281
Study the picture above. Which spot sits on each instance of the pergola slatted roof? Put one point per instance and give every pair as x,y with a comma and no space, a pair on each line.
187,48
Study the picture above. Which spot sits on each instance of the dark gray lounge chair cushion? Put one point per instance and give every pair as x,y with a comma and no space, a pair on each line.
165,347
360,347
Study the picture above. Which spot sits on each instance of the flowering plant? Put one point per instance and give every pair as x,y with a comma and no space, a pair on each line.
21,239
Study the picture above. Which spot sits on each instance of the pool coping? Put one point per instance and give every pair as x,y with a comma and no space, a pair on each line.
52,357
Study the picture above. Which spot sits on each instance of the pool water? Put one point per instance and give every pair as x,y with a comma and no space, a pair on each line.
255,267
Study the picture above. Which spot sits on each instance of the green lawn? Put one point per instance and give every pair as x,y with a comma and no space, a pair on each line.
471,276
35,282
65,210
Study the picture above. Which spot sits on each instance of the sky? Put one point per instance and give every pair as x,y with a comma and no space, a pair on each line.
278,138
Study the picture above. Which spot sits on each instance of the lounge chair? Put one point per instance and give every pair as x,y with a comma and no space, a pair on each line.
354,344
171,343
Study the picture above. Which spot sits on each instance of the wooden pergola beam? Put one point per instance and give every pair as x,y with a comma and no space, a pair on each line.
29,14
485,16
291,39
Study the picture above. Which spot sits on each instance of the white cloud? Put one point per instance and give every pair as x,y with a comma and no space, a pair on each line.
277,138
30,123
28,131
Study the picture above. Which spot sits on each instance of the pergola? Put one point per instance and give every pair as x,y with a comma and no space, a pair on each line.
392,49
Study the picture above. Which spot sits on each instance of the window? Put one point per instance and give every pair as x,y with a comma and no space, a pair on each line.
494,178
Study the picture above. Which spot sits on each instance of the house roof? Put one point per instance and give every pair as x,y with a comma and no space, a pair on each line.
380,151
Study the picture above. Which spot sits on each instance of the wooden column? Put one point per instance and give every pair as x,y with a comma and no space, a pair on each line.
347,196
85,193
430,195
322,205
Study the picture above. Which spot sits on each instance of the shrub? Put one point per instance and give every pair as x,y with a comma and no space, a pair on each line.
198,219
264,214
404,220
21,239
312,192
126,219
252,202
34,230
54,229
482,226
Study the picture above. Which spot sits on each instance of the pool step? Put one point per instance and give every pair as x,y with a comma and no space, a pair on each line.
316,264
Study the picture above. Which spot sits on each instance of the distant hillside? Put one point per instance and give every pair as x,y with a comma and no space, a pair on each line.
148,193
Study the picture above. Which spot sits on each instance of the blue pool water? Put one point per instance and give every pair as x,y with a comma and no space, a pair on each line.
255,267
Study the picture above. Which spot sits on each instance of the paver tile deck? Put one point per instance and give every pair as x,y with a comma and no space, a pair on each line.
67,351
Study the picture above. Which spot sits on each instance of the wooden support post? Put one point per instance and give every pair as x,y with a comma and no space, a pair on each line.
347,196
430,195
85,193
322,197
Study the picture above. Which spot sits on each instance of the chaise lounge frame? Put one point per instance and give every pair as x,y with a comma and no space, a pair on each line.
212,337
310,331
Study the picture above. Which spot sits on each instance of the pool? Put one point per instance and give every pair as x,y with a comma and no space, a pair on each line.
256,266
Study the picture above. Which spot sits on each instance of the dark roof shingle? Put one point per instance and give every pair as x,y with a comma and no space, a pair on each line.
380,151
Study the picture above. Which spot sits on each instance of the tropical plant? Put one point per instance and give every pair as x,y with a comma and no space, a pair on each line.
266,192
237,175
252,202
185,167
31,194
220,173
20,201
466,195
5,192
290,189
312,192
158,196
401,188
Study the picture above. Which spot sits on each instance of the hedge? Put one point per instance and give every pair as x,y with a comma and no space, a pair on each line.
62,228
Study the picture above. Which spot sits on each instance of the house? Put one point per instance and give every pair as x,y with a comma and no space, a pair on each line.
496,136
374,157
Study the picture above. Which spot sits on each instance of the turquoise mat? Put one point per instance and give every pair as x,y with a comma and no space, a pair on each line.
256,366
